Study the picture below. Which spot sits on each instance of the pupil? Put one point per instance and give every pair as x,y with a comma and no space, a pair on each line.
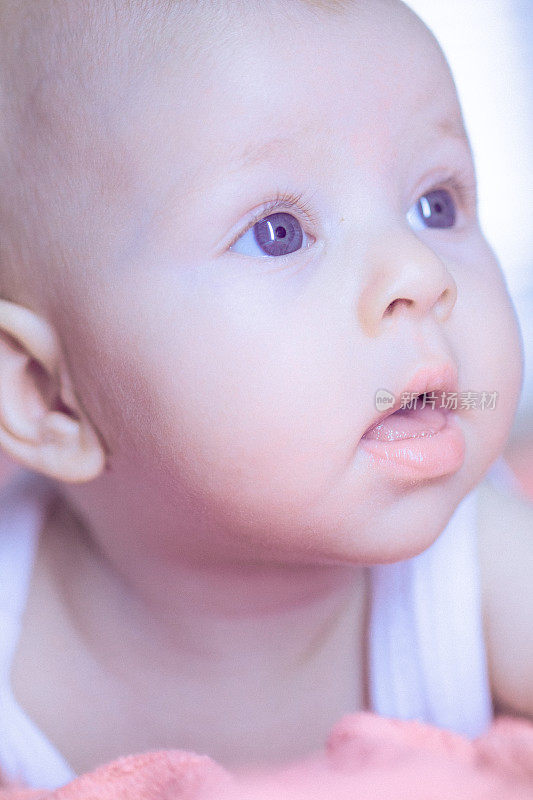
281,232
438,208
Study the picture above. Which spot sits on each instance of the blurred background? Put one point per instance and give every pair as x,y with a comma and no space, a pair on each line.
489,45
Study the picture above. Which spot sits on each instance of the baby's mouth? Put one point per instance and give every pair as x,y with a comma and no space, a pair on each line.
418,438
417,410
409,423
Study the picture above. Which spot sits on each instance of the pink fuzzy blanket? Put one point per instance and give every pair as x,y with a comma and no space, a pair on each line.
365,756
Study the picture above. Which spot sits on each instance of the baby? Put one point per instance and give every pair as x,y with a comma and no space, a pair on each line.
228,231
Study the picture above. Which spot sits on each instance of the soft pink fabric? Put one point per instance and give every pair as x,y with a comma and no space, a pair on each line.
163,774
366,756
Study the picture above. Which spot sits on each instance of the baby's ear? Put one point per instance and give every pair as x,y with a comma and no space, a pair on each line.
42,426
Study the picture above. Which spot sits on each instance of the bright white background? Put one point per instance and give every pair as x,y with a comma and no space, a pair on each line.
489,45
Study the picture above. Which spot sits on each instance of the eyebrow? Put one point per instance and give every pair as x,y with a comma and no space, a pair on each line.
235,160
255,154
452,128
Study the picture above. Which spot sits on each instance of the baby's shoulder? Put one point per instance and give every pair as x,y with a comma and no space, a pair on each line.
505,539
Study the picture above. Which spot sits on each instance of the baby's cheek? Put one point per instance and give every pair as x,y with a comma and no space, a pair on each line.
504,341
256,414
243,431
489,354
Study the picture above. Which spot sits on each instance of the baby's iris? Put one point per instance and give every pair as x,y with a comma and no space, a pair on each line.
437,209
278,234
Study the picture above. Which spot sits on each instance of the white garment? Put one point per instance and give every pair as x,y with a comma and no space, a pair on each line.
426,649
426,644
26,755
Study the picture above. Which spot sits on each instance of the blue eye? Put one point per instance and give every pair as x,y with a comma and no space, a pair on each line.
278,234
434,210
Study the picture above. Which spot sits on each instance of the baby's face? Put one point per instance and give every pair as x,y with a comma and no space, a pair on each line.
240,339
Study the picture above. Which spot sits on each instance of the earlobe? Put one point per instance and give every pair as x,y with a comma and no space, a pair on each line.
42,426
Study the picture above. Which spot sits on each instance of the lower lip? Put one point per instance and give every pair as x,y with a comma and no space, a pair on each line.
437,449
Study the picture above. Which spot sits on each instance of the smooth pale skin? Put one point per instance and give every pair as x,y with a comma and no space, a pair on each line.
204,583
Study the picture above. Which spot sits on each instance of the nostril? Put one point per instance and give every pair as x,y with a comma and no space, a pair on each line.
391,306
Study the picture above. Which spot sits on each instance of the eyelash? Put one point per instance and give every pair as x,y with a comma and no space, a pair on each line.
281,202
465,192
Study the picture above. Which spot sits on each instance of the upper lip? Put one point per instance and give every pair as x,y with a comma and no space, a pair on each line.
430,378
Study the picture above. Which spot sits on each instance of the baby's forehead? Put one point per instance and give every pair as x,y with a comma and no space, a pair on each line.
108,43
108,76
369,70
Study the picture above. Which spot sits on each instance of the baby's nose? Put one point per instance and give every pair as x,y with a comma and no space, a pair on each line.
404,276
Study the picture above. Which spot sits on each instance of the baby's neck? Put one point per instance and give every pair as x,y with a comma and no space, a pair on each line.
244,664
